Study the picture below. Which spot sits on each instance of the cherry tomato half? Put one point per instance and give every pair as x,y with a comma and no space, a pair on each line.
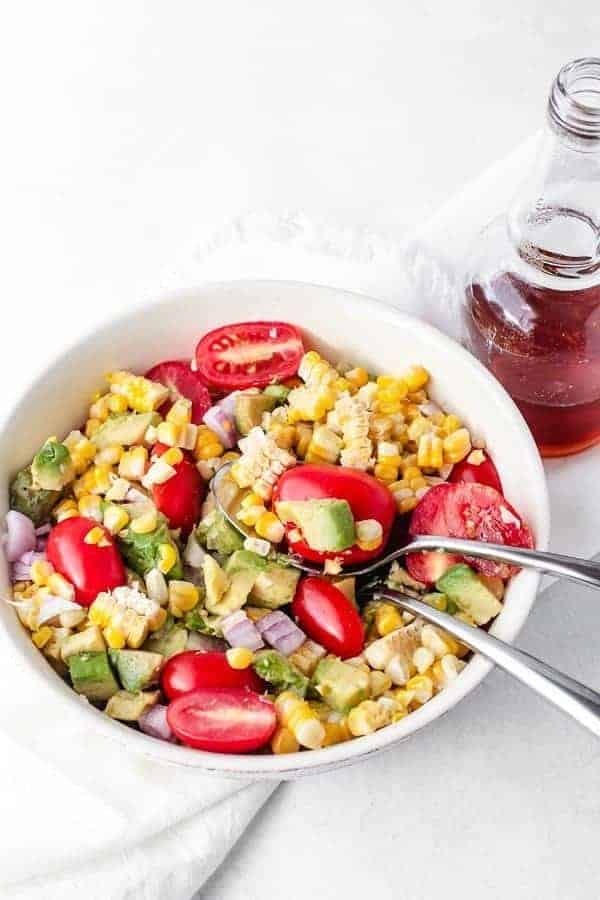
194,669
328,617
472,511
484,473
367,497
90,568
222,720
249,354
180,498
182,381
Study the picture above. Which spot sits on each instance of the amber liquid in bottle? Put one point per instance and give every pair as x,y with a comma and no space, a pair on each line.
543,345
532,302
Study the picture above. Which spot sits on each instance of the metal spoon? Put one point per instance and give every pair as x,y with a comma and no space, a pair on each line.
582,571
577,700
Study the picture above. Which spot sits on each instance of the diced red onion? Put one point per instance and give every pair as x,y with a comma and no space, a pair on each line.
153,721
20,536
280,632
223,425
43,530
21,569
205,643
41,544
239,631
228,403
290,642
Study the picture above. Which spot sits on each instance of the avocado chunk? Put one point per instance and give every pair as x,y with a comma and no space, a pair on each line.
279,672
90,640
341,686
245,559
225,594
169,640
125,430
129,707
200,620
35,503
461,585
92,675
52,468
141,552
326,525
137,669
249,410
215,533
275,586
279,391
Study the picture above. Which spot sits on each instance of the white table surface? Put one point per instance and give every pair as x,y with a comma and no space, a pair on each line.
133,129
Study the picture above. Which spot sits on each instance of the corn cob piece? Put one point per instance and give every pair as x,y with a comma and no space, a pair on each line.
297,716
126,616
141,394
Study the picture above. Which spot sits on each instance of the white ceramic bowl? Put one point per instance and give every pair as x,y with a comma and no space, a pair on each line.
342,326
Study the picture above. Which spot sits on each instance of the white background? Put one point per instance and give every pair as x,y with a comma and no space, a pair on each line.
132,129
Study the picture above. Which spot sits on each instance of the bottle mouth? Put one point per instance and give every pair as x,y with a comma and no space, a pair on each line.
574,103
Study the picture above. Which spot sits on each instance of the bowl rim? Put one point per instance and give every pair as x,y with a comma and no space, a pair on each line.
299,764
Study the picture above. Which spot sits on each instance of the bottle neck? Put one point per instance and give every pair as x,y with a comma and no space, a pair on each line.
555,222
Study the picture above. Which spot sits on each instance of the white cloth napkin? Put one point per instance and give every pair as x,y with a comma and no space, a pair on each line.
87,820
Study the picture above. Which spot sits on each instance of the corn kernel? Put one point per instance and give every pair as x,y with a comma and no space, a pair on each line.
283,435
117,404
366,718
133,463
90,506
145,524
167,433
406,504
240,657
451,424
41,637
416,377
183,594
387,619
180,413
269,527
457,446
115,518
91,427
66,510
60,587
208,445
114,637
430,453
40,571
109,456
379,683
422,659
167,557
357,377
283,741
386,472
369,534
303,439
251,499
336,733
172,457
94,535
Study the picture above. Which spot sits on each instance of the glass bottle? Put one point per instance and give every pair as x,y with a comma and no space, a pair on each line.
532,304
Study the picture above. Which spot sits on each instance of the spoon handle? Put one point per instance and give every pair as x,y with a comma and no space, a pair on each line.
570,567
573,698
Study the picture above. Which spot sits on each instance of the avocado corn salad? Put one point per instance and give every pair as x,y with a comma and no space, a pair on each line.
152,606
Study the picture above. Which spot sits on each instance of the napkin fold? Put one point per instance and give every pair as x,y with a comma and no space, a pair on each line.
112,826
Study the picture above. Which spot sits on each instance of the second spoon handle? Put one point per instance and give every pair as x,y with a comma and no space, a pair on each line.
576,699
